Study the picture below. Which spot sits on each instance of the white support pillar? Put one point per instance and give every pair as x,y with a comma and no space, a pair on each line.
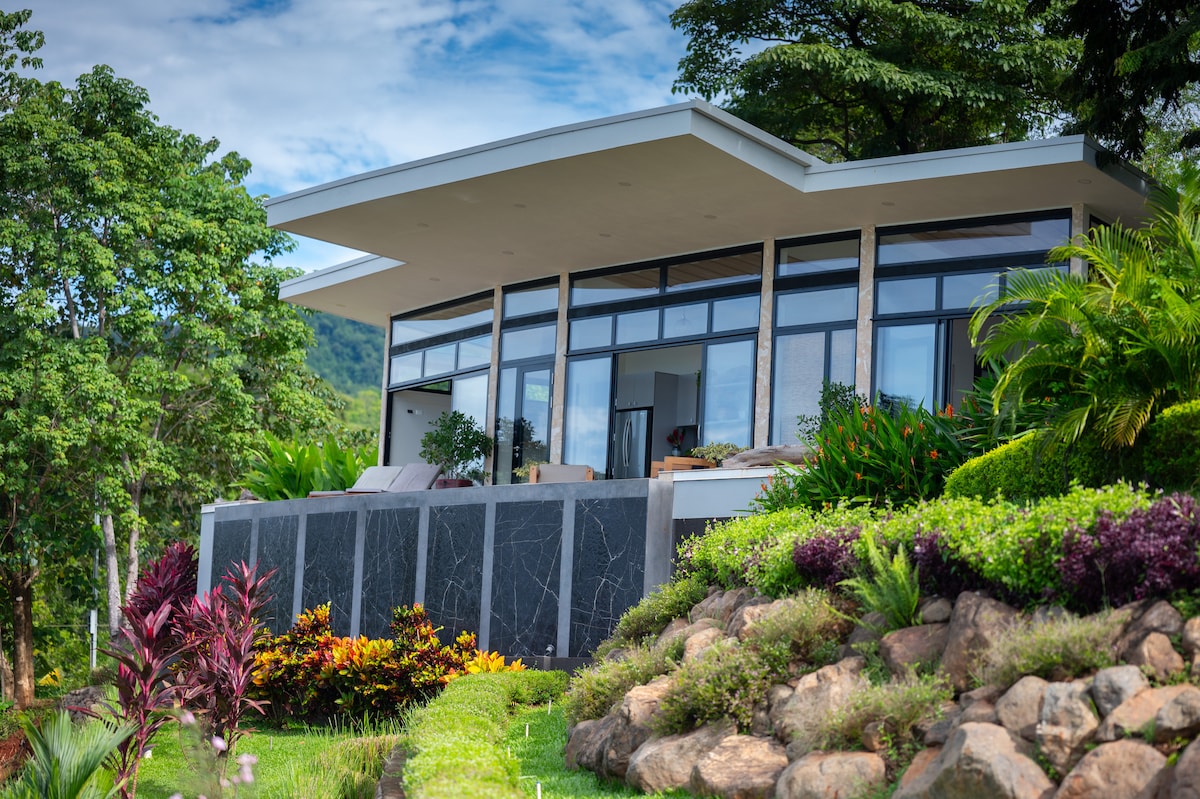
864,333
762,368
558,393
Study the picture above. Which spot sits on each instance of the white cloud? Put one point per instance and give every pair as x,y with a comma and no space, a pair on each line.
311,90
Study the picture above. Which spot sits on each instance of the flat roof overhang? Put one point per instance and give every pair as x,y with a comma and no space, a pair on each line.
675,180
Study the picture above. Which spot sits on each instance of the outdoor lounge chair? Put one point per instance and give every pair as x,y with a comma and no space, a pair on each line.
559,473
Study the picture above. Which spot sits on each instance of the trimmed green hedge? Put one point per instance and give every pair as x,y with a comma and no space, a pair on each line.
457,739
1019,470
1172,451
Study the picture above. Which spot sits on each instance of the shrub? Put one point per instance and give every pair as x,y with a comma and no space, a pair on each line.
1019,470
596,689
309,673
887,587
805,629
1172,449
897,707
726,681
1057,649
826,560
873,455
292,469
65,761
669,601
1152,552
717,451
941,572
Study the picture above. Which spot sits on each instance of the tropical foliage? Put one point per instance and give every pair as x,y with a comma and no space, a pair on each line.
1111,350
290,469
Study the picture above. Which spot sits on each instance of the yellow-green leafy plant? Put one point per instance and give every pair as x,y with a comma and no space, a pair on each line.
889,587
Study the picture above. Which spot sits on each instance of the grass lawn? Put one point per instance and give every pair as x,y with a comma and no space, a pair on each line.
291,763
541,756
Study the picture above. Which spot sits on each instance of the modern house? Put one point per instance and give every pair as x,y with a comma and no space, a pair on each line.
586,290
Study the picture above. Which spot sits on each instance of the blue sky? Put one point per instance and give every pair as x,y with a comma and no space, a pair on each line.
315,90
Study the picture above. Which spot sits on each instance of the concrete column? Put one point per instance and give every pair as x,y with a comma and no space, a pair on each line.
493,390
1079,227
762,367
383,404
205,567
864,333
558,393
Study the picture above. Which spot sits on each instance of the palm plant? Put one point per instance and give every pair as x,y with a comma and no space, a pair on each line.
67,762
1113,349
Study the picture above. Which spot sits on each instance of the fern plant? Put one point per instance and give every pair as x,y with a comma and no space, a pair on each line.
890,587
292,469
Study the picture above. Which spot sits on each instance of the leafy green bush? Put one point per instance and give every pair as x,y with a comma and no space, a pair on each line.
807,628
291,469
1057,649
717,451
596,689
1172,450
871,455
726,681
897,707
1019,470
890,588
758,550
669,601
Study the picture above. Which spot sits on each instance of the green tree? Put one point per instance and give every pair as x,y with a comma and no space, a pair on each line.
1137,63
848,79
1113,349
144,346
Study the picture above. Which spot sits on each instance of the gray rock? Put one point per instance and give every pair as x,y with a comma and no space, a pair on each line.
979,712
1155,654
832,775
585,747
744,618
1118,770
1185,777
697,643
1112,686
1179,717
1148,617
912,647
663,764
935,610
634,717
739,767
1067,723
767,456
817,695
975,625
937,732
979,760
1135,716
1191,637
1020,709
865,632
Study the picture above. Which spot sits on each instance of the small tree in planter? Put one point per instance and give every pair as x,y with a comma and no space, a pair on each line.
458,445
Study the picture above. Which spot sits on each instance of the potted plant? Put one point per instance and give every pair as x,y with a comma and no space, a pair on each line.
458,445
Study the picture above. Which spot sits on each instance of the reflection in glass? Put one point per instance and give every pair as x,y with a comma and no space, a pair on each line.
533,428
475,352
637,326
588,405
715,271
816,307
594,331
825,256
469,395
444,320
530,301
905,296
405,368
796,388
735,314
973,240
527,342
506,412
439,360
970,290
904,363
685,320
728,379
610,288
841,356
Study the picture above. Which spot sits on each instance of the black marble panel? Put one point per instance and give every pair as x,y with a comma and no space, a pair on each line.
528,550
329,566
231,545
277,550
389,567
610,563
454,573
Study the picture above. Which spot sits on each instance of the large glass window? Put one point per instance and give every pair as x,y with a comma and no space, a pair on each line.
527,342
818,256
906,355
972,240
523,302
816,307
722,271
442,321
588,405
729,393
615,287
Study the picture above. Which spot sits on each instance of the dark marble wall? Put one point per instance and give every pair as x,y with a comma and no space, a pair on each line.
528,550
329,566
277,550
389,567
609,567
454,571
231,545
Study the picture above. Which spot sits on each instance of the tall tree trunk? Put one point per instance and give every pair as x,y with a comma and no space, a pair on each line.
112,571
21,588
6,672
133,566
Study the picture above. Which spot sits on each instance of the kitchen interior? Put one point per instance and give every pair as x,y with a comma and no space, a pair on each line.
657,392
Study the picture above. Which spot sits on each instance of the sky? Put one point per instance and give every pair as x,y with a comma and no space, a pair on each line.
315,90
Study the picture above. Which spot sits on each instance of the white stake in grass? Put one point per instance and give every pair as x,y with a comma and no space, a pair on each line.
526,730
539,790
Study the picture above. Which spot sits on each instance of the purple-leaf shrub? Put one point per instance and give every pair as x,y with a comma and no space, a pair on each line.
826,560
218,668
1152,552
171,580
943,573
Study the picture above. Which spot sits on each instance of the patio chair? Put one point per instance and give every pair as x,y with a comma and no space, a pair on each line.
560,473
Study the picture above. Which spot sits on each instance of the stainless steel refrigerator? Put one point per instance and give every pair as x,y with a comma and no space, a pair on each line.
631,449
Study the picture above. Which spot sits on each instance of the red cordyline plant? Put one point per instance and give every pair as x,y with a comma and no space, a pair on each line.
217,667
